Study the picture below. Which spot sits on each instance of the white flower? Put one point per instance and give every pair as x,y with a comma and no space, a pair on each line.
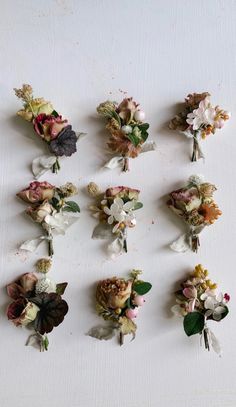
197,179
120,212
204,115
45,285
213,304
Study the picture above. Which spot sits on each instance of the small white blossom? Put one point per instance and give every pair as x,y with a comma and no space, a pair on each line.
204,115
45,285
120,212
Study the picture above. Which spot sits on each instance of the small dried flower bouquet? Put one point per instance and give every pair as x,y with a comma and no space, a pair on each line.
115,211
193,203
198,302
128,131
49,208
37,305
50,127
198,120
118,302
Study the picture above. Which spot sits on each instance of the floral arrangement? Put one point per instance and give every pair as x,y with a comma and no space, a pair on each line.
118,301
128,131
193,203
37,305
115,211
49,208
198,120
198,302
50,127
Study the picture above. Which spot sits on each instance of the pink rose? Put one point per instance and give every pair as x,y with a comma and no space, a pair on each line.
48,126
22,312
40,212
37,192
26,283
126,109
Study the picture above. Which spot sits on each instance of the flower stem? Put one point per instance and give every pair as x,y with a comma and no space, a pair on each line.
195,243
206,341
121,340
126,164
56,166
50,244
194,154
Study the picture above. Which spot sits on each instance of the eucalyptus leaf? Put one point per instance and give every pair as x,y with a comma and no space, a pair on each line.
138,205
71,206
194,323
102,332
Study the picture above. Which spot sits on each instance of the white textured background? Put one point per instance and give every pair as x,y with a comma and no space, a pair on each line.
77,54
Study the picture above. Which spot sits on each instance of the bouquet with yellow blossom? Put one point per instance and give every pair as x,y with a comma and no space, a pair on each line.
193,203
198,120
128,131
118,301
198,302
50,127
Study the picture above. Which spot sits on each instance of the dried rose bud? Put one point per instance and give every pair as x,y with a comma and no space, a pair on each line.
37,192
93,189
113,292
43,265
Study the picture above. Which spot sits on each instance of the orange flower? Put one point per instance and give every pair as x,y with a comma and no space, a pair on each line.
210,212
119,143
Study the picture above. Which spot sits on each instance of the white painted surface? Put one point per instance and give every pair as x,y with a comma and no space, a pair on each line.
78,53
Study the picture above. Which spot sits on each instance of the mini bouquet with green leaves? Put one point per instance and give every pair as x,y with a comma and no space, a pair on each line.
49,208
50,127
37,305
198,120
115,210
194,204
198,302
128,131
118,301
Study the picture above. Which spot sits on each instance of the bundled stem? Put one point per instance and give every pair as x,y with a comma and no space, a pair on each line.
126,164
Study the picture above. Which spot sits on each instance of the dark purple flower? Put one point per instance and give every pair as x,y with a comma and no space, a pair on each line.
65,143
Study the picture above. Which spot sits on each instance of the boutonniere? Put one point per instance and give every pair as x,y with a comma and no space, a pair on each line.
198,120
50,208
118,301
51,127
193,203
198,303
128,131
115,210
37,305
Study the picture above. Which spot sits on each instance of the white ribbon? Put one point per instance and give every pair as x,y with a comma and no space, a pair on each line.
181,245
42,164
212,340
31,245
118,160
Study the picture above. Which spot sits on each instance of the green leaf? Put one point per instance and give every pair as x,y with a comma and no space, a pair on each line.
61,287
54,113
55,203
143,127
144,135
134,139
194,323
71,206
116,117
138,205
225,313
142,287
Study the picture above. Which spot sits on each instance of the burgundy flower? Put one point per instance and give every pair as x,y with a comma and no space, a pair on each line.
49,126
22,312
23,286
65,143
